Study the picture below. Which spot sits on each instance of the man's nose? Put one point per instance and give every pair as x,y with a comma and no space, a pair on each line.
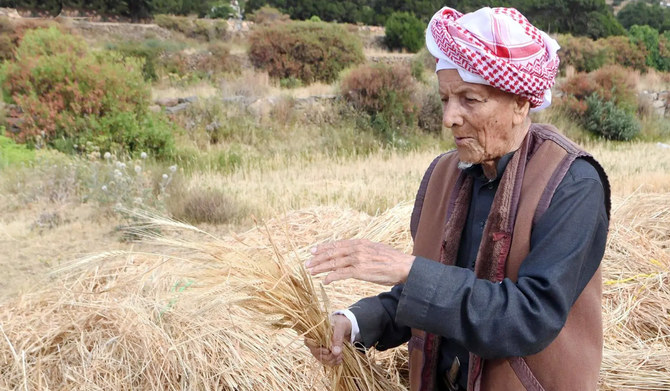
451,115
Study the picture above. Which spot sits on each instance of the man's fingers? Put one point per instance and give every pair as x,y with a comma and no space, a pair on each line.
341,274
338,337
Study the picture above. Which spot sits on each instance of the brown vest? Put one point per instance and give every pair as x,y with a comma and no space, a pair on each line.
572,360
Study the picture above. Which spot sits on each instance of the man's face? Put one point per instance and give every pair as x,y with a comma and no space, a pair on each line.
483,119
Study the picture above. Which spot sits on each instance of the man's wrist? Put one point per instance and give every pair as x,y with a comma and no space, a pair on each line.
355,330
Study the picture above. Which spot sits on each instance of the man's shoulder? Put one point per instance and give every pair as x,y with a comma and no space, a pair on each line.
582,169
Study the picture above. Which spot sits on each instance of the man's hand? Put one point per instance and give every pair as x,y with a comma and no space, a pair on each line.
360,259
333,356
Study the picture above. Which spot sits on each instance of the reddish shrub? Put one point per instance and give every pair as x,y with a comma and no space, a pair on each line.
621,51
309,51
611,82
384,92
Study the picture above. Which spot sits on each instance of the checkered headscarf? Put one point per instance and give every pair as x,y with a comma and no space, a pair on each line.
497,47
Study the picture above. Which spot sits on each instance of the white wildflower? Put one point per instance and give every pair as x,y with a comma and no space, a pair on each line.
122,165
173,168
108,155
165,176
118,164
138,200
104,188
143,155
117,173
138,169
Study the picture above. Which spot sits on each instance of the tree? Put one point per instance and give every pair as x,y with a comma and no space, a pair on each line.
640,13
649,37
404,31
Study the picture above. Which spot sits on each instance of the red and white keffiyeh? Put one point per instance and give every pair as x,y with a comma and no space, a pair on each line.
497,47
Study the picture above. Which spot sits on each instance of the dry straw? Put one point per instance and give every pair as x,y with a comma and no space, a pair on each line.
231,313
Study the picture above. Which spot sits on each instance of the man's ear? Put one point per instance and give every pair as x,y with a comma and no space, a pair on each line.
521,109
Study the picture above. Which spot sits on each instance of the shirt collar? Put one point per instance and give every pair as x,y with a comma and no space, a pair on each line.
477,172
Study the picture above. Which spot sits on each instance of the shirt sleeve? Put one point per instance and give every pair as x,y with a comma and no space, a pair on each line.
506,319
376,319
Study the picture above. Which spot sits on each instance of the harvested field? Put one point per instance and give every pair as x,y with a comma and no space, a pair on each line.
194,314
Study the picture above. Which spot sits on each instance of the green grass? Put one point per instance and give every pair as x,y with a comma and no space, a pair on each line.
13,154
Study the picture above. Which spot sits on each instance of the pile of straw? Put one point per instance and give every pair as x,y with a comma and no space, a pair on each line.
231,313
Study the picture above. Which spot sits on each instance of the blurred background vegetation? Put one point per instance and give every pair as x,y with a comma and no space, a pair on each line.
140,113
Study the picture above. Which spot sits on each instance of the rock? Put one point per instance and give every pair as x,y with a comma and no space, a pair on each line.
663,145
188,99
14,124
167,102
10,13
213,126
658,104
260,108
176,109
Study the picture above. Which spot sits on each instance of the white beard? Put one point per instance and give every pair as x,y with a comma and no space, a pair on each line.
464,165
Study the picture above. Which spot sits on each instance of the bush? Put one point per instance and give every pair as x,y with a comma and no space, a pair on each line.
70,95
304,50
587,55
151,52
209,30
430,110
204,205
267,15
621,51
649,37
221,10
606,119
611,83
385,93
580,52
405,31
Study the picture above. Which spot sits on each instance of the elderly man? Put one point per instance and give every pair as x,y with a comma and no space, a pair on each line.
503,290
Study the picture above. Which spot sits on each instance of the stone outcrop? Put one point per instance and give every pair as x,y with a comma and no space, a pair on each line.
658,101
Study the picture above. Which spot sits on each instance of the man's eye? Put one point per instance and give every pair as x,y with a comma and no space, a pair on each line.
471,99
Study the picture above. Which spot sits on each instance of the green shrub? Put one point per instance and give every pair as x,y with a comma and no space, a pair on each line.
405,31
304,50
70,95
606,119
267,15
649,37
209,30
383,92
151,51
221,10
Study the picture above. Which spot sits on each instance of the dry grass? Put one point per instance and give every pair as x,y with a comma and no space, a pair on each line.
654,80
183,320
379,181
202,90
